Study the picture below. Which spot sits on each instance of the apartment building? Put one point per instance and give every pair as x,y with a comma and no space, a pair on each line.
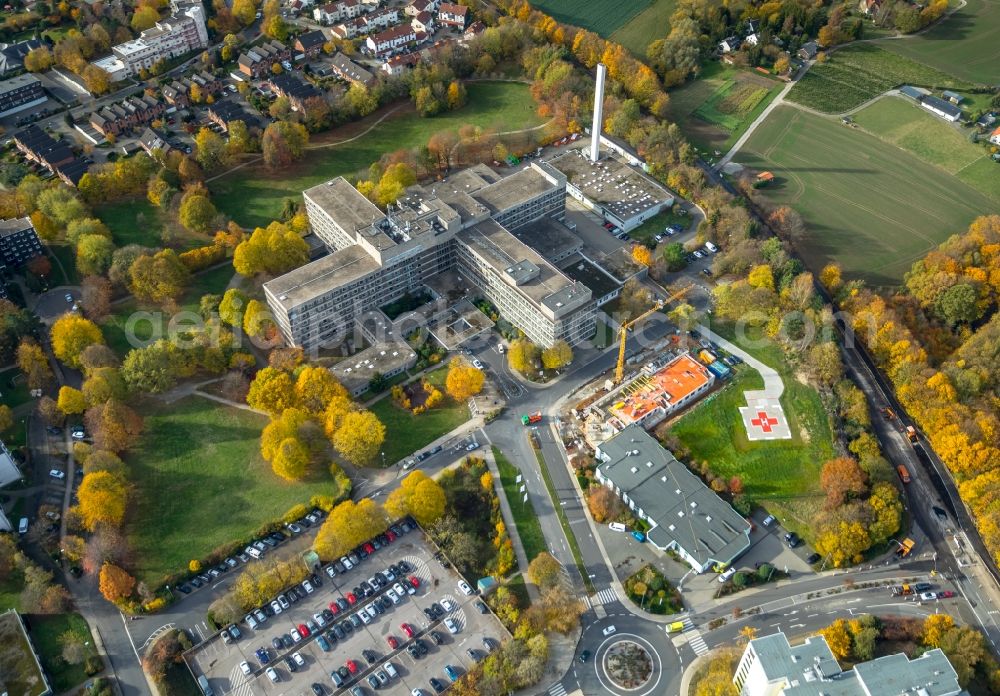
20,93
182,32
771,666
334,12
295,90
347,69
18,242
461,224
391,39
367,24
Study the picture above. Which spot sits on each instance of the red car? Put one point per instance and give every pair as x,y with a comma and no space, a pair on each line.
391,640
351,599
352,666
303,630
369,548
390,536
407,629
415,581
334,607
946,594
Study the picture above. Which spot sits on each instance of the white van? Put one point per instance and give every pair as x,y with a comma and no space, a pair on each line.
22,526
711,247
616,527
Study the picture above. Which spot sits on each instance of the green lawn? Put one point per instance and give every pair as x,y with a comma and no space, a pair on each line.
647,231
868,205
45,633
407,433
154,322
600,16
715,109
10,590
63,265
525,519
966,45
859,72
776,474
650,24
254,196
134,221
199,482
604,336
20,671
13,388
904,124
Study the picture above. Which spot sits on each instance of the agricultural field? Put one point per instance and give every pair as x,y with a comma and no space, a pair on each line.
254,196
868,205
644,28
966,44
780,475
854,74
899,121
600,16
715,109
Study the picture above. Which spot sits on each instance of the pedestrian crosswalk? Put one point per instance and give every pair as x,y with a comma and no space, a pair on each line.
557,689
690,636
697,643
605,596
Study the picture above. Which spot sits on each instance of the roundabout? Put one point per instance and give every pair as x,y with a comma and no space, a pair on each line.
635,658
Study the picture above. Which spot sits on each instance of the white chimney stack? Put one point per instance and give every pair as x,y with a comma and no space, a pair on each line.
595,129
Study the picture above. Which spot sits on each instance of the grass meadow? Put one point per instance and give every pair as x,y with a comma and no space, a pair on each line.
528,527
599,16
650,24
868,205
199,482
780,475
904,124
253,196
966,44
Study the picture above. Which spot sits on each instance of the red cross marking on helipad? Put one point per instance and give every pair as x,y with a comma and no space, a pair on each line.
764,421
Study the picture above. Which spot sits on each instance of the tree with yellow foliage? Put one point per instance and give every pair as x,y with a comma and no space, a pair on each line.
463,380
102,497
934,629
417,495
838,637
761,277
842,542
71,400
271,391
831,277
642,254
70,335
359,437
557,356
291,460
522,355
315,387
348,525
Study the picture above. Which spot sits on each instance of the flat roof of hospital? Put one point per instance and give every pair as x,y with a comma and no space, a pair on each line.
318,277
610,182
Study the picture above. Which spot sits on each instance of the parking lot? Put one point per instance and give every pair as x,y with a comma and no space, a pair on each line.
368,643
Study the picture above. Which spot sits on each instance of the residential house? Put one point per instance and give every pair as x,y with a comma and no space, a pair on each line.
347,69
808,50
474,29
176,94
310,44
397,65
423,22
869,7
995,137
20,93
418,6
334,12
12,55
452,15
209,84
730,44
55,155
223,112
152,140
257,61
126,115
293,89
391,39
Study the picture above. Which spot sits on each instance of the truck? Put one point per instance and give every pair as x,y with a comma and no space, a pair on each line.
531,418
904,548
904,473
911,433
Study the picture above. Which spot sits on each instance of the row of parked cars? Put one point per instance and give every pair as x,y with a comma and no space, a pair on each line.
255,550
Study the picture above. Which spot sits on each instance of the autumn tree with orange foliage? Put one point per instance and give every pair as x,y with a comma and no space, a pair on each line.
841,479
115,583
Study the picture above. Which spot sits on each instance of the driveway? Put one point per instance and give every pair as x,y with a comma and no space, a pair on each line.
773,386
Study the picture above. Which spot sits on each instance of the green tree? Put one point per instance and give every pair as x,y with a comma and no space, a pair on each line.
197,213
958,304
152,369
675,257
93,254
211,150
233,306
